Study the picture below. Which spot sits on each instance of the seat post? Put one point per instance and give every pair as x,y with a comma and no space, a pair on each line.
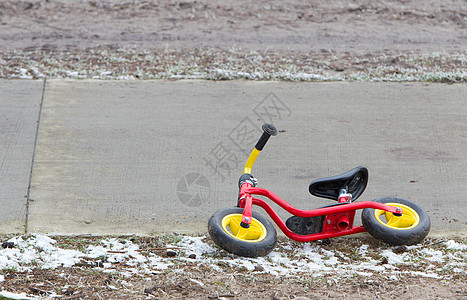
344,197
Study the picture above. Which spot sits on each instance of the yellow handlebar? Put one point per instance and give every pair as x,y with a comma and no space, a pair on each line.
251,160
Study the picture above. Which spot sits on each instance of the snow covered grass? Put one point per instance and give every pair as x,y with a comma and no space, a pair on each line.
174,257
232,64
343,257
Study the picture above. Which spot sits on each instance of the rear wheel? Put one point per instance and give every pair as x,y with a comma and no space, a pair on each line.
408,229
257,240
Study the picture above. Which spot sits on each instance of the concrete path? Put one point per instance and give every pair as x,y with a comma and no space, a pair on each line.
143,157
19,113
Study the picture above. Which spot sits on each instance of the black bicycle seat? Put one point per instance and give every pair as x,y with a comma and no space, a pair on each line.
354,181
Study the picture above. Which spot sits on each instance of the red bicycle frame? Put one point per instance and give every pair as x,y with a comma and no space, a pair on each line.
338,220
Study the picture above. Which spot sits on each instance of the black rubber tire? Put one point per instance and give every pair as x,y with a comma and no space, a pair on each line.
237,246
393,235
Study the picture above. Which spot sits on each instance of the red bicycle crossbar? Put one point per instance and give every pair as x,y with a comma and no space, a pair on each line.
247,191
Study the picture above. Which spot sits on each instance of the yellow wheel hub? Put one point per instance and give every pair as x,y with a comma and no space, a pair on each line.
408,220
256,233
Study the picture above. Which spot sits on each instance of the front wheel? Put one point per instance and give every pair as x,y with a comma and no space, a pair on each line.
225,230
410,228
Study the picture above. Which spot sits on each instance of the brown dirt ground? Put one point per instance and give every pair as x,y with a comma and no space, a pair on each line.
340,26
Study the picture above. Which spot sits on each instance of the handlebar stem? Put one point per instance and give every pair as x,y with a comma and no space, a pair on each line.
251,160
268,131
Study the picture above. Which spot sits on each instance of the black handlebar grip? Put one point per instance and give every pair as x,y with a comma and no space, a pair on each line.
268,130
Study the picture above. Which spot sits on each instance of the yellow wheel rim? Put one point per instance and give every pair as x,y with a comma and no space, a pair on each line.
408,220
256,233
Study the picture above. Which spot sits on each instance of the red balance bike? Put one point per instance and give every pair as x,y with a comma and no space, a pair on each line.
243,232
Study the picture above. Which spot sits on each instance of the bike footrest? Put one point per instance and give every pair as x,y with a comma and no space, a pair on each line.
305,226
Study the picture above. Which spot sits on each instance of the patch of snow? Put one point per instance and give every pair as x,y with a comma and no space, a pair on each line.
363,250
215,267
159,263
116,251
8,295
24,74
433,255
125,77
423,274
370,266
240,263
364,273
96,251
196,245
330,258
455,246
39,250
392,257
72,74
197,282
